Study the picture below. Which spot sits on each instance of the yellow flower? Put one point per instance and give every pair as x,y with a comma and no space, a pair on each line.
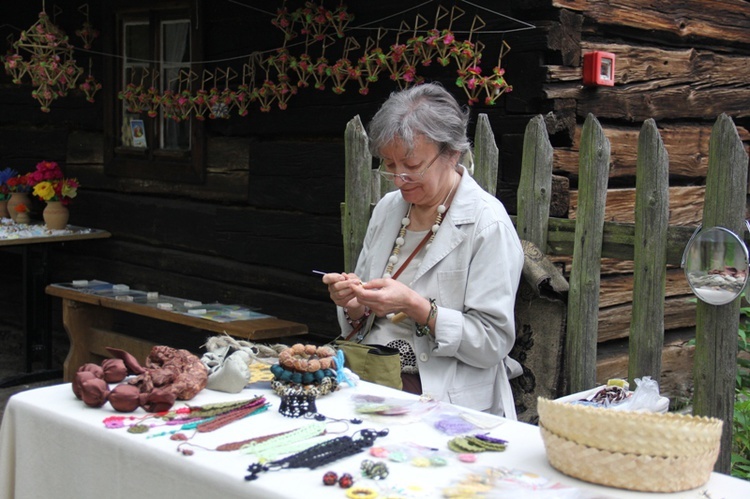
69,190
44,190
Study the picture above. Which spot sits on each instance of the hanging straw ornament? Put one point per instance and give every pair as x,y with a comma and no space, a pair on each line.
87,33
90,86
50,64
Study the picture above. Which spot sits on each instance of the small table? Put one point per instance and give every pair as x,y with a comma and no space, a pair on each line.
89,321
32,242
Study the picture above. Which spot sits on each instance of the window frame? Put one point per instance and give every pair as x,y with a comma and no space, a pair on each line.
151,163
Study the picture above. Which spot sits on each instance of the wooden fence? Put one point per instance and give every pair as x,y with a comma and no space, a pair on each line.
651,243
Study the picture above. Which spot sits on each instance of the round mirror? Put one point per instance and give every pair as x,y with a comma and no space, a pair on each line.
716,265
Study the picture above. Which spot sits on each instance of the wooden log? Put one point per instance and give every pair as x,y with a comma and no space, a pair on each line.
663,67
614,322
617,240
687,146
725,21
618,289
583,302
651,222
562,35
640,102
685,204
717,325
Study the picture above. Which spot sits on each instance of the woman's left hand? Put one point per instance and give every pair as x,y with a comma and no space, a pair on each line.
385,296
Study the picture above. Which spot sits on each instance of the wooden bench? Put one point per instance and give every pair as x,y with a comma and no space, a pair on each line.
89,319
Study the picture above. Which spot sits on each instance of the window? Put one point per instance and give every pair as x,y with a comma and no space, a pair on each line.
155,48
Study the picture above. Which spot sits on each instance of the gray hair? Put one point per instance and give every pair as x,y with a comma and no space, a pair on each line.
427,110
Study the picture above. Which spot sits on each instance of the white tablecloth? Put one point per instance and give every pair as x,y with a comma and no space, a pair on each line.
52,445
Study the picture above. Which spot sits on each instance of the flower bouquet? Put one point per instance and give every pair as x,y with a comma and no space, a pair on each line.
19,183
50,185
5,175
18,187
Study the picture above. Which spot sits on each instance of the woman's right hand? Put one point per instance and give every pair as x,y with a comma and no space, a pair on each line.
340,288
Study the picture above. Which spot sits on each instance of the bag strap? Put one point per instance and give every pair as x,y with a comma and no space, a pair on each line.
413,254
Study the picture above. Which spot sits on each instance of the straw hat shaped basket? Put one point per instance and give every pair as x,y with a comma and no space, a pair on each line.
643,451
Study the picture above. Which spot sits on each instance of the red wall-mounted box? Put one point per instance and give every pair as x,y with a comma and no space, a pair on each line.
598,69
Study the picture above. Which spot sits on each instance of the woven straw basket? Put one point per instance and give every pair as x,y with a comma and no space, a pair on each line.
642,451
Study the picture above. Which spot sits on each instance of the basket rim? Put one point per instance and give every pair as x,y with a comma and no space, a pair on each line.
644,433
654,473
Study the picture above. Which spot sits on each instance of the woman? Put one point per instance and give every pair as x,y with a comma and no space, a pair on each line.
441,261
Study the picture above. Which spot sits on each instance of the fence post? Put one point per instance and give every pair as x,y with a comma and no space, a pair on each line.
583,299
355,210
715,365
646,338
486,155
535,185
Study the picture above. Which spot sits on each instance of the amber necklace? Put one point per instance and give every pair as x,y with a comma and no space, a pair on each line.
400,239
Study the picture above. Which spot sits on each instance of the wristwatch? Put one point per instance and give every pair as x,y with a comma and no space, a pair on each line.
425,329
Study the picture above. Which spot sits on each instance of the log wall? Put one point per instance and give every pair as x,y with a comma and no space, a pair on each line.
268,211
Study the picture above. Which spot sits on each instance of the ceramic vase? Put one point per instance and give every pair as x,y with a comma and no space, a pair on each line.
55,215
17,198
4,208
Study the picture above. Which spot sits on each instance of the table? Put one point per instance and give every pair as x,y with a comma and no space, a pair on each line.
89,318
52,445
32,242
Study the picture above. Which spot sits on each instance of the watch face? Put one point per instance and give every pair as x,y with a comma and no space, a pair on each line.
716,265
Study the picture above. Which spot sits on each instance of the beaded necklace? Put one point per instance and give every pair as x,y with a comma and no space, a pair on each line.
287,443
441,209
320,454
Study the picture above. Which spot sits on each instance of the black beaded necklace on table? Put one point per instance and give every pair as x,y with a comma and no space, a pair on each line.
320,454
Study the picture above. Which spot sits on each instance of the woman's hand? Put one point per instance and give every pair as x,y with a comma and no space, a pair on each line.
341,289
385,296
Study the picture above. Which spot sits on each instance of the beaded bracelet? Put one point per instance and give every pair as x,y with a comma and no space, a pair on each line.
307,358
356,323
425,329
326,386
307,378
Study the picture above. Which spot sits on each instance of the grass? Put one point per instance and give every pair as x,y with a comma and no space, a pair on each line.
741,424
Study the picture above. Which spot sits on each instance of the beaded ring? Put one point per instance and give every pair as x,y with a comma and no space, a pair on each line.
374,470
360,492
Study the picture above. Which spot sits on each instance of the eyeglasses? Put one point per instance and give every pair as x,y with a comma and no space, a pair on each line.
408,178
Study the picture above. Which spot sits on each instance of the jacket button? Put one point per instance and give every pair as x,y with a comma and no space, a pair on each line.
423,357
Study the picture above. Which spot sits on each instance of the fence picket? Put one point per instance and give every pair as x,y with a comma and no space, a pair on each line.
646,337
535,186
583,299
715,363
